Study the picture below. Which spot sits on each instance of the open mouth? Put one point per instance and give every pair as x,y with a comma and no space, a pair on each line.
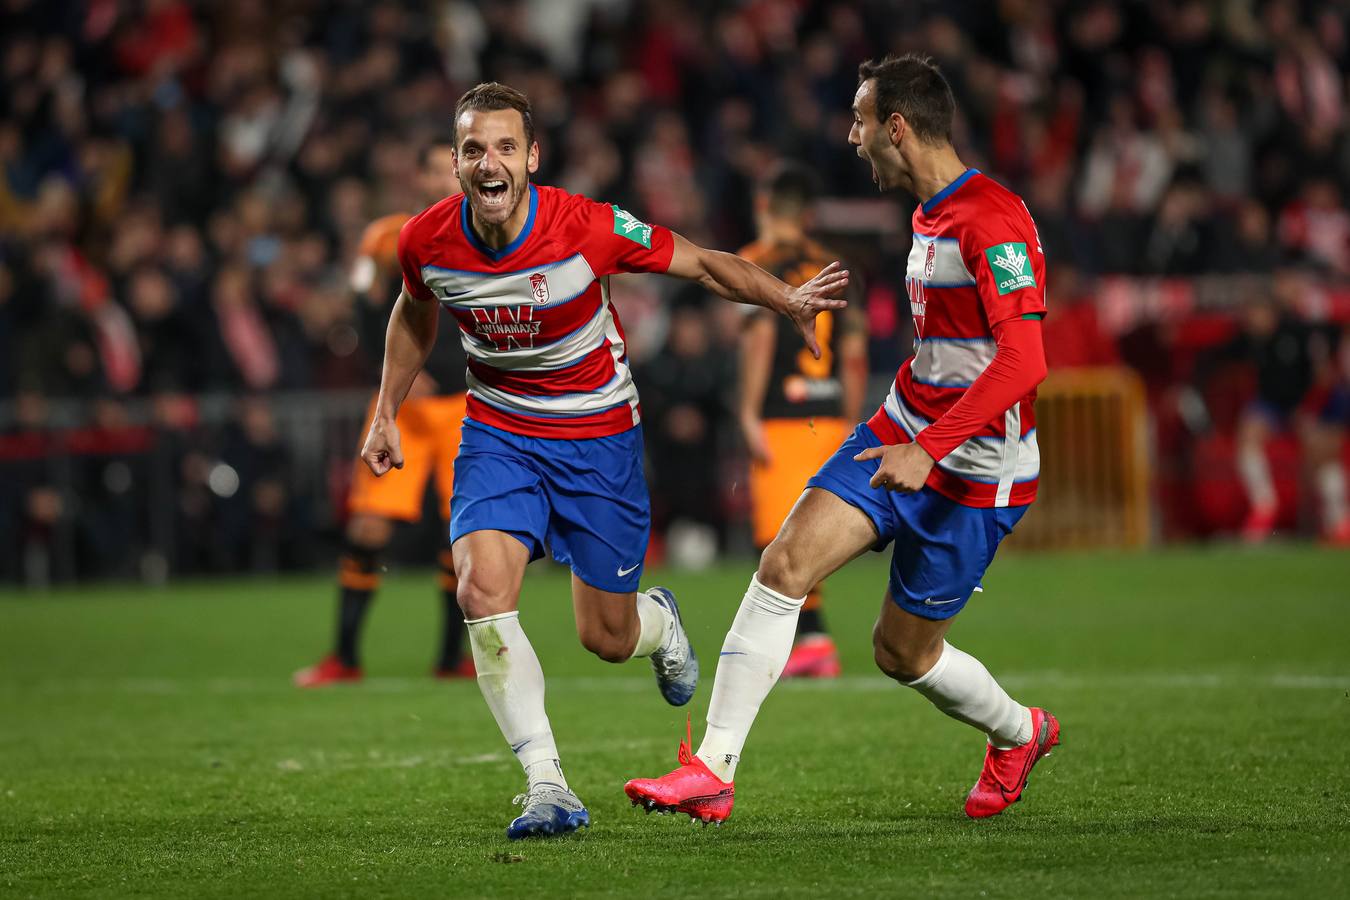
492,192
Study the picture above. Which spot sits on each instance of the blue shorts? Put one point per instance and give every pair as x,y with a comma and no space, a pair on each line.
585,500
942,548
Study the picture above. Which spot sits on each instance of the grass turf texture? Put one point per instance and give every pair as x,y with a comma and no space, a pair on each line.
150,745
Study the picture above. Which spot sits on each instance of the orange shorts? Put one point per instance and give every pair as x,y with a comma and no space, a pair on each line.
428,429
798,448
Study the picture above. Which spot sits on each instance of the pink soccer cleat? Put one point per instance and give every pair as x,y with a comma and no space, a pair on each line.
1006,772
691,789
813,657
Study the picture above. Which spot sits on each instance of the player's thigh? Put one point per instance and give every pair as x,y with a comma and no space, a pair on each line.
490,565
607,621
369,532
498,522
820,535
904,645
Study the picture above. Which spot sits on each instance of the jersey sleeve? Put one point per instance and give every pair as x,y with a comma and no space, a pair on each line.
613,240
1003,251
407,261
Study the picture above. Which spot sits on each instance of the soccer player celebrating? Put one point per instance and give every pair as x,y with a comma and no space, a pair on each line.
429,427
795,408
550,452
945,468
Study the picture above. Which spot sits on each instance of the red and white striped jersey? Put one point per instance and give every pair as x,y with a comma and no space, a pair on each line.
545,347
976,261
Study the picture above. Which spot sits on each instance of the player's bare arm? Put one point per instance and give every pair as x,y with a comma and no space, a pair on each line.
407,344
757,342
733,278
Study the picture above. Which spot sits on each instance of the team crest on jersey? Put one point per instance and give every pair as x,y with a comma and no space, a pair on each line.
1011,267
929,260
539,287
631,227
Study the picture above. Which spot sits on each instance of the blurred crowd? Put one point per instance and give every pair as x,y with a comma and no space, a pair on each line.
183,184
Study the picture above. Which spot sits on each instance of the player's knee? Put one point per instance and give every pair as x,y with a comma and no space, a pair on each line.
896,660
481,596
604,643
781,571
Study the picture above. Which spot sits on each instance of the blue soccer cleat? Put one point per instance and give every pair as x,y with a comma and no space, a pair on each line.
675,663
549,809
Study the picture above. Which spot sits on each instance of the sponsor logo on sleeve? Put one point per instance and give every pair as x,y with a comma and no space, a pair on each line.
629,226
1011,267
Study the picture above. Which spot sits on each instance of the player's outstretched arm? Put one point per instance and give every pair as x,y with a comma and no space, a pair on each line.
733,278
407,344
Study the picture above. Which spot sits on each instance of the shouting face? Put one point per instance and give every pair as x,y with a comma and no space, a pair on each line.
876,141
494,163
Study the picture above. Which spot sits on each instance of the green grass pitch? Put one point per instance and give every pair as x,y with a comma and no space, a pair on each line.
151,746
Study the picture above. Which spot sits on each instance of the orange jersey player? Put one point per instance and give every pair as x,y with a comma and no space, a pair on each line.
430,426
795,409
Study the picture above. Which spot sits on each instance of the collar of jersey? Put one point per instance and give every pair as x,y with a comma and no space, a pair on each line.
499,255
949,189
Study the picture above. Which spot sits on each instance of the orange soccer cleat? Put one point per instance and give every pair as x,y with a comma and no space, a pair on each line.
691,789
1006,772
329,670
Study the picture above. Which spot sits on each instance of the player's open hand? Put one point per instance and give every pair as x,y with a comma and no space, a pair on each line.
904,467
382,451
825,291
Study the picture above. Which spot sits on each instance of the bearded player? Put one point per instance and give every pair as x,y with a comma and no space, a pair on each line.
795,408
551,449
945,468
429,424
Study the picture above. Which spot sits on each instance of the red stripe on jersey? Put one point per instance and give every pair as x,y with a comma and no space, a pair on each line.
592,372
601,424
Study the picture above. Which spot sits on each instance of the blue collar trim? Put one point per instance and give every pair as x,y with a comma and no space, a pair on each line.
477,242
949,189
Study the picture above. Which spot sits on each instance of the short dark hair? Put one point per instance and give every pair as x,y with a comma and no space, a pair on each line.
791,188
442,141
492,95
912,86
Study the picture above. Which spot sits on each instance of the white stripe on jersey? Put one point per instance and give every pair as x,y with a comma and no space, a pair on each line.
951,362
567,279
989,460
949,269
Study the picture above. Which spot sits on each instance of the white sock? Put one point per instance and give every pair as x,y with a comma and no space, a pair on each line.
753,655
1331,485
656,626
513,686
1254,470
960,685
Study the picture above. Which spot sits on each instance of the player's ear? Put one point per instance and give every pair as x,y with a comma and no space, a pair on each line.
532,164
896,127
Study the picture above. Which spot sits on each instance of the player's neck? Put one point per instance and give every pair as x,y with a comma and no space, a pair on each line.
499,236
932,170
